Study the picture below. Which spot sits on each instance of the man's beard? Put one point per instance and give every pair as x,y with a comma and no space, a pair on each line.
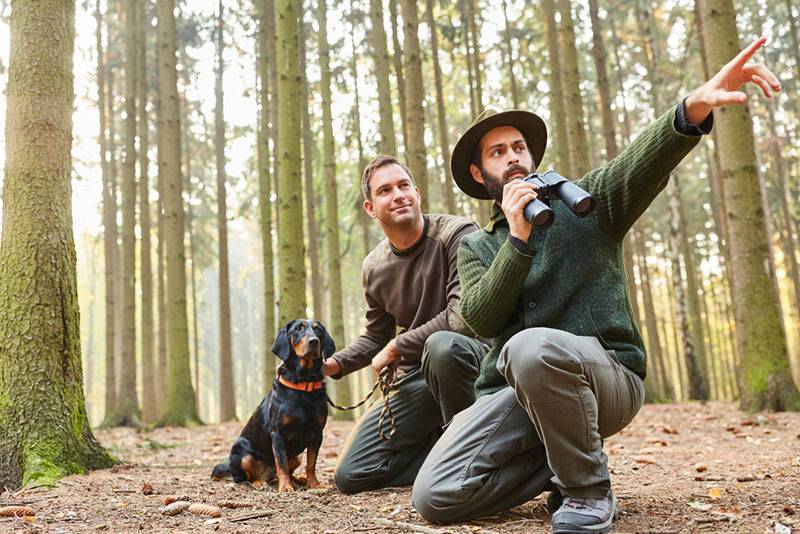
494,184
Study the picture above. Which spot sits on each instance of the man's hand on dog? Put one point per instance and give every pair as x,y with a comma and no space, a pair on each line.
389,356
331,367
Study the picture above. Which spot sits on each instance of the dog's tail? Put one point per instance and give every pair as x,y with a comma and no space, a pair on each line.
221,471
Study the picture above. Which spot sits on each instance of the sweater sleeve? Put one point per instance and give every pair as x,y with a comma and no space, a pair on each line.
624,188
379,330
489,294
411,342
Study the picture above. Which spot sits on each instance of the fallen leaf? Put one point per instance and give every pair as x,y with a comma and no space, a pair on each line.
147,489
715,493
780,528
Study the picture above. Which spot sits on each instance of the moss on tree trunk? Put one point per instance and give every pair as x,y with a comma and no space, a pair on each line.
44,432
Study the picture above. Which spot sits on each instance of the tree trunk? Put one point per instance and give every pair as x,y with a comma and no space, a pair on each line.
266,52
784,194
380,54
444,145
149,412
471,13
335,296
309,191
272,62
180,406
363,219
227,398
398,72
570,85
415,94
654,350
512,79
109,221
126,411
557,115
44,431
291,252
765,378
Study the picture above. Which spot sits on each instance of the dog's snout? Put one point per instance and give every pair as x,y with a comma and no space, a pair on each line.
313,341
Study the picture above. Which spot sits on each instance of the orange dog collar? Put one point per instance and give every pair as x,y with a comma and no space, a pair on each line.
302,386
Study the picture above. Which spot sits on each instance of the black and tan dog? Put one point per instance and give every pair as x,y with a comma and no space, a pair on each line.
290,418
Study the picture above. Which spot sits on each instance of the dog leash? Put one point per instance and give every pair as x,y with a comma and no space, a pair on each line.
385,381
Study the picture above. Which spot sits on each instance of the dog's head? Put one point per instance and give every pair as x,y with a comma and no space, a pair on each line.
304,342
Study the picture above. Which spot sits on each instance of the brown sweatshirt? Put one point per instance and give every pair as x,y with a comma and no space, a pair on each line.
415,291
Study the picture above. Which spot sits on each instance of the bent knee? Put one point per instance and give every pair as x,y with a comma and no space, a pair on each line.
426,499
534,351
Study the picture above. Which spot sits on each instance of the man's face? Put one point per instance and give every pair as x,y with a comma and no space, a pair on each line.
504,157
395,199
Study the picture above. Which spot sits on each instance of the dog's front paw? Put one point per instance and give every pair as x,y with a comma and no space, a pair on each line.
259,484
285,488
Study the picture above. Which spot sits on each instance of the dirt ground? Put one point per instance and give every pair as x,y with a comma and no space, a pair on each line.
677,468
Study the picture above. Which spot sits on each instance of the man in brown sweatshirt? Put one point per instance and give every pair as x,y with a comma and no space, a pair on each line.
412,295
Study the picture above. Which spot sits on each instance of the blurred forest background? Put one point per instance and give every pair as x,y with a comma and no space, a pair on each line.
280,103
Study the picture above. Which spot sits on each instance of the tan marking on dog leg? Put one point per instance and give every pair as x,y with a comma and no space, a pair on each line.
311,469
284,479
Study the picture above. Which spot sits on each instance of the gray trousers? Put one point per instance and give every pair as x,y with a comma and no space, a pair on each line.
566,394
422,400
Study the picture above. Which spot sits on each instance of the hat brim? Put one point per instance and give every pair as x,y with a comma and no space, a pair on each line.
529,124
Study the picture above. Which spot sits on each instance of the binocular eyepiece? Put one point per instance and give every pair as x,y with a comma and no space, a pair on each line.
552,185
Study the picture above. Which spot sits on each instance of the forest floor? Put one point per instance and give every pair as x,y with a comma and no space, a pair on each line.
677,468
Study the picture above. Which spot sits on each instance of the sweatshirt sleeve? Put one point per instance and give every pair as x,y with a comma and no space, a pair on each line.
411,342
379,330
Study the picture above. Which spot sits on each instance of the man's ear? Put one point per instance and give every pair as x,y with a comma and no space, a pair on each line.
281,348
476,174
369,208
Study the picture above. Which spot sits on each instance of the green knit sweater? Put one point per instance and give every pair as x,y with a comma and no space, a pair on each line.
575,280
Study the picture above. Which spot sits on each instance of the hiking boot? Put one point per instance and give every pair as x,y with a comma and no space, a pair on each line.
578,515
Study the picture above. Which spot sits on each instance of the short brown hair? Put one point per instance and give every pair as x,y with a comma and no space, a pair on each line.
377,162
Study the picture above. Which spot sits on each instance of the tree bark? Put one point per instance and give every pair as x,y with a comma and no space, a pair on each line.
309,191
291,251
333,257
109,221
444,144
126,411
398,72
227,398
266,54
557,116
180,408
415,94
764,374
149,412
570,85
380,54
44,431
512,79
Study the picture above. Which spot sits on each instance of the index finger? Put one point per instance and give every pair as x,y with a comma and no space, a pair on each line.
744,56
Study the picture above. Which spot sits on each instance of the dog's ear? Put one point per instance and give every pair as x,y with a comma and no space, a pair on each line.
281,348
328,345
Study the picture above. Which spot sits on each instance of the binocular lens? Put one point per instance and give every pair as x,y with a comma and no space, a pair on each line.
583,206
543,219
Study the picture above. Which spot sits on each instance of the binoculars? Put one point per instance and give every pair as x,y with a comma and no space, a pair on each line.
552,185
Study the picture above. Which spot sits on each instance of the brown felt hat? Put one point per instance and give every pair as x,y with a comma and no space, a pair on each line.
529,124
